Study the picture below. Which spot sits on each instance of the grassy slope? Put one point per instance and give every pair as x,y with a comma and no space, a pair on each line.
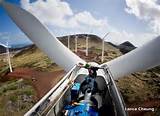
16,97
34,58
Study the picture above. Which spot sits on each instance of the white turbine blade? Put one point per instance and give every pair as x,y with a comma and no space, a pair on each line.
42,37
142,58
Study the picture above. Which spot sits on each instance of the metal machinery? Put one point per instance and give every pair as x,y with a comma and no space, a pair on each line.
83,102
82,95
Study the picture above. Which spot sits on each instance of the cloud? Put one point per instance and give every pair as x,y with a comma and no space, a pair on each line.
147,10
87,19
51,12
59,13
119,37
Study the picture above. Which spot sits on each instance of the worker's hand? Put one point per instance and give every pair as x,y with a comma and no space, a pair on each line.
87,66
80,65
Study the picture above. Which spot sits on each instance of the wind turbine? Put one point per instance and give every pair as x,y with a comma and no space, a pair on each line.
102,59
87,45
142,58
76,43
68,41
8,55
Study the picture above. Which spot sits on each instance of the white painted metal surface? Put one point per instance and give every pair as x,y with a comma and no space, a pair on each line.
42,37
57,87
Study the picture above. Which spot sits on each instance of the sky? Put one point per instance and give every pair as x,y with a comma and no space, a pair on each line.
136,21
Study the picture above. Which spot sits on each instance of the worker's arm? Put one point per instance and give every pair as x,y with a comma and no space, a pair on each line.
87,66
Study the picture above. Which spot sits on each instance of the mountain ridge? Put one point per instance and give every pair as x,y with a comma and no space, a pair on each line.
124,47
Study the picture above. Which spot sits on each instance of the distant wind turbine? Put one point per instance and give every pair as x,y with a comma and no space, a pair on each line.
69,41
76,43
102,59
87,45
8,57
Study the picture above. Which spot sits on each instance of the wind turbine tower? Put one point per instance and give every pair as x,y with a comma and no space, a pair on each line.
102,58
87,45
76,43
8,57
69,42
